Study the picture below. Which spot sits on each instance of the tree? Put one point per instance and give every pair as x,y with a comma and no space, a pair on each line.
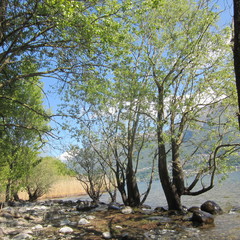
115,129
85,162
41,177
188,66
236,49
62,38
19,146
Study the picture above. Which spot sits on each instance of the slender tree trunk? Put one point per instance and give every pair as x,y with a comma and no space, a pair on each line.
8,191
170,191
177,171
236,50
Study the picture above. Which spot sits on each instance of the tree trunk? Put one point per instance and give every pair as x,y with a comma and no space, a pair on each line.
170,191
236,50
8,191
177,171
132,187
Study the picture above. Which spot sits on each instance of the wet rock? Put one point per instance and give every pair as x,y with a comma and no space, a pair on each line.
127,210
146,207
66,230
114,206
211,207
86,205
201,217
107,235
160,209
194,209
235,210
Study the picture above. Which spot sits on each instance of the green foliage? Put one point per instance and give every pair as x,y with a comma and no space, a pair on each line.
40,178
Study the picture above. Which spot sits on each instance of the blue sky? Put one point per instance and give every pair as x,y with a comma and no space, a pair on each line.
52,99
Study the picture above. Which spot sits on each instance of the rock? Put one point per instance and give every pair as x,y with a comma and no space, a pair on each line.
127,210
2,232
65,222
85,205
83,221
144,206
66,230
118,227
201,217
114,206
21,236
107,235
90,217
161,209
211,207
194,209
37,227
235,210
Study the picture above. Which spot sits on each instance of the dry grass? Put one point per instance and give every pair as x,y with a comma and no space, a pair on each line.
64,187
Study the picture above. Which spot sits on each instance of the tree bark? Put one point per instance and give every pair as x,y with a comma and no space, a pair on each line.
236,49
132,187
173,199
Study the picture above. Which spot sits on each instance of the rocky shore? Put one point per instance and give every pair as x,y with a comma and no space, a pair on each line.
57,219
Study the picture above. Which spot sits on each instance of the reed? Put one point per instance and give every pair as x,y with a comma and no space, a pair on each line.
63,187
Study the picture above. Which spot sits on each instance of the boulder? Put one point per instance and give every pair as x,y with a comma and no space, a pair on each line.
201,218
211,207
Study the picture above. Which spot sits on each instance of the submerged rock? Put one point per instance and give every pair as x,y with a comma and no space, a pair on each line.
235,210
201,217
211,207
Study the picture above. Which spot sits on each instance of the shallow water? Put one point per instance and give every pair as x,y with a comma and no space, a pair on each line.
226,194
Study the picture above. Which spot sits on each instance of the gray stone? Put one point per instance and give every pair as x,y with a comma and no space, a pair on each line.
83,221
127,210
21,236
37,227
107,235
66,230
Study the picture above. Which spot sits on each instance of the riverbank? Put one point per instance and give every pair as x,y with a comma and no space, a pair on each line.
58,219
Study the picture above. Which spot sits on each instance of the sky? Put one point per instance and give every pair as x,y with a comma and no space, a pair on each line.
57,147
